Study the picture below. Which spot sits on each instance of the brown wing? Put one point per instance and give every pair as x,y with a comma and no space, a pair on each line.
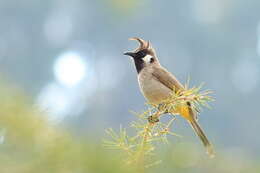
167,79
170,81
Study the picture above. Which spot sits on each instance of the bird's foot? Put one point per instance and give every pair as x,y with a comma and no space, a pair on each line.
153,119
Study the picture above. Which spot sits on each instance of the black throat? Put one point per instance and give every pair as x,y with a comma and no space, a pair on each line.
139,64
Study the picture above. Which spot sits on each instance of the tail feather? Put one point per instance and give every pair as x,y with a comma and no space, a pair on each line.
203,137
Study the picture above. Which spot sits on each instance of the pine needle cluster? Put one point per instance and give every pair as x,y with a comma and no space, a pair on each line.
149,130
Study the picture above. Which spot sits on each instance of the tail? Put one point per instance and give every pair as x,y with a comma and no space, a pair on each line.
196,127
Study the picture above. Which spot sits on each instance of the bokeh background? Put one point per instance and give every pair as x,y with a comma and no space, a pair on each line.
64,80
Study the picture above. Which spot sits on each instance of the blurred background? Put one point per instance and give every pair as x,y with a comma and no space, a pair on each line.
64,80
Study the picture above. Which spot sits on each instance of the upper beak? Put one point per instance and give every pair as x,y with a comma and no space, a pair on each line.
130,54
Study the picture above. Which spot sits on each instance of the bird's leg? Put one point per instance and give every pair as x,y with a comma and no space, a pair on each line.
162,107
155,117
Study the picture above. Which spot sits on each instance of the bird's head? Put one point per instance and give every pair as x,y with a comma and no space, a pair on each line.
144,55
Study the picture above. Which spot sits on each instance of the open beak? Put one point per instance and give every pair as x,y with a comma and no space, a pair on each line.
130,54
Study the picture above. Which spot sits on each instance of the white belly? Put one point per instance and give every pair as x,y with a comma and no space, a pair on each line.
154,91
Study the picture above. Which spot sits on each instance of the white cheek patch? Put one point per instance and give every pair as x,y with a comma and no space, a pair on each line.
147,58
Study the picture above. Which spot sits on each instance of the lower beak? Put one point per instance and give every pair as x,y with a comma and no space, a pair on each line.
130,54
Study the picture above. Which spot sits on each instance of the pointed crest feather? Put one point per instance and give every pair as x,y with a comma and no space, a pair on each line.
143,44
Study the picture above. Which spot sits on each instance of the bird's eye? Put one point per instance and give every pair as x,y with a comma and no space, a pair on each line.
142,54
151,60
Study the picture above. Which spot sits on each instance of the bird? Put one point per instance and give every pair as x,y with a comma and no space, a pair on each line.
157,84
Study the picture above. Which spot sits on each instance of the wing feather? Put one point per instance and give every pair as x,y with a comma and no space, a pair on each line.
166,78
170,81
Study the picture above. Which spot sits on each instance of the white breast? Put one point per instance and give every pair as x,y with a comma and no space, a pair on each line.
154,91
